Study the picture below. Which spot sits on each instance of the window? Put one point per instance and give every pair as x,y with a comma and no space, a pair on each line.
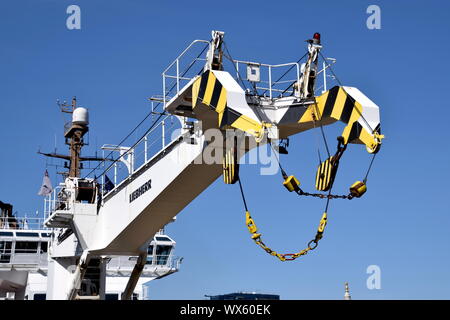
44,247
112,296
26,247
162,254
27,234
5,251
150,255
162,239
39,296
6,234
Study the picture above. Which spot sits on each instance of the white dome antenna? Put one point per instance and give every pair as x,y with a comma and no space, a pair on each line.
80,116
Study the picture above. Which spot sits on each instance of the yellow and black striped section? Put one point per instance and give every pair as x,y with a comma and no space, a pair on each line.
231,166
207,89
326,172
339,105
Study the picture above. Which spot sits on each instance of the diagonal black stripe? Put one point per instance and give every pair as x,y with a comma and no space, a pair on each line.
216,94
293,114
331,99
203,83
354,132
377,128
224,120
229,116
348,108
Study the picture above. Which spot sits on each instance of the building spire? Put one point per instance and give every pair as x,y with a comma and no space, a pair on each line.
347,292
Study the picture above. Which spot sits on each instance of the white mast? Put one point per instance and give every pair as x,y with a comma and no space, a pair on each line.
347,292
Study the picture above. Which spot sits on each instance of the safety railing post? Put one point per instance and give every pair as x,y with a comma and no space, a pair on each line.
115,174
178,76
45,207
164,90
163,134
103,183
131,156
237,70
103,175
53,201
270,82
49,202
145,149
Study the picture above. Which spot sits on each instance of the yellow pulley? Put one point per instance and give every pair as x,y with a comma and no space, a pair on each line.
231,165
358,189
291,183
326,172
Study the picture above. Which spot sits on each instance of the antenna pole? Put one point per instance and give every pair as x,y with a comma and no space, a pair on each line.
347,292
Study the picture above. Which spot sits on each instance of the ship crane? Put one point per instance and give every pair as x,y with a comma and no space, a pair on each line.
153,192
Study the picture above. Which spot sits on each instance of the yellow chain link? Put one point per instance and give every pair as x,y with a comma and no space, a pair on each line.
287,256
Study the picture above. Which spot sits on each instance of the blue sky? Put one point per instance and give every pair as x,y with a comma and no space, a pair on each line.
113,64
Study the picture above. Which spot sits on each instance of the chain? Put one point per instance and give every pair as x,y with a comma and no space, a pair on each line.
324,196
256,237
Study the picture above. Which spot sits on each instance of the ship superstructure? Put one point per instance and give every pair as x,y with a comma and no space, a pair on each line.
24,246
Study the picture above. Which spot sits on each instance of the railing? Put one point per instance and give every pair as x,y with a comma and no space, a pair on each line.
175,263
128,161
133,159
22,223
265,74
173,77
179,79
161,260
39,258
24,258
57,200
127,263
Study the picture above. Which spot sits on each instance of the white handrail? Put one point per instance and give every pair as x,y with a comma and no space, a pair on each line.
183,53
177,77
143,157
270,70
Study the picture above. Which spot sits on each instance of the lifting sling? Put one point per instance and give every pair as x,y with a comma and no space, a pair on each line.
292,184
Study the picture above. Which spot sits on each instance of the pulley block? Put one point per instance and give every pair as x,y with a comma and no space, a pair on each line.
326,172
231,166
358,189
292,184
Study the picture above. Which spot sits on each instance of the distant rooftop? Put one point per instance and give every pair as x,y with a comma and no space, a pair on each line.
245,296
